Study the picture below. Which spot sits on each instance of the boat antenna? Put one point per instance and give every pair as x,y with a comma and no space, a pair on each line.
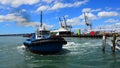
65,22
60,22
41,19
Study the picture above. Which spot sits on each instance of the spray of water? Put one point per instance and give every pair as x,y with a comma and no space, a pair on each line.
21,49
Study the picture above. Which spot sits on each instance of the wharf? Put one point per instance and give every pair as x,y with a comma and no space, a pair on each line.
79,36
84,36
113,42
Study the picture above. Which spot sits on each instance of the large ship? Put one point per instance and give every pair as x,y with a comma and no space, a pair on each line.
63,30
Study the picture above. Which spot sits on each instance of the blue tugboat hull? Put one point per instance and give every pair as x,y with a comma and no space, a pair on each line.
47,46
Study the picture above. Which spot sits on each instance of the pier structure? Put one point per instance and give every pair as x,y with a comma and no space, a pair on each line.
111,42
103,43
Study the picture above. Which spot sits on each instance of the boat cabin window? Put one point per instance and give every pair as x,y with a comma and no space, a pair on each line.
44,32
65,33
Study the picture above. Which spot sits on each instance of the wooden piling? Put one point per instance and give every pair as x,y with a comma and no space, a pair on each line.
104,43
113,42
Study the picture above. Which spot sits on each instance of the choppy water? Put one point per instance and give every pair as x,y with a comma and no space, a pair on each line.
78,53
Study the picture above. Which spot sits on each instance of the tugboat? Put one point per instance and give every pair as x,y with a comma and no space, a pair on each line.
43,43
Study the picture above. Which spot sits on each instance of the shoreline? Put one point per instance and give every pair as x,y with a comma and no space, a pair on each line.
81,36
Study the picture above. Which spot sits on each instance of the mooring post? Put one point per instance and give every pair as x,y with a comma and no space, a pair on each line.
104,43
113,41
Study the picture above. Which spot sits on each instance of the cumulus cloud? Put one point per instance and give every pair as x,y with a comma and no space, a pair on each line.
80,19
91,10
108,14
90,16
86,10
115,23
17,3
42,8
47,26
59,5
11,18
108,8
112,21
28,24
21,21
47,1
23,10
74,21
117,8
18,19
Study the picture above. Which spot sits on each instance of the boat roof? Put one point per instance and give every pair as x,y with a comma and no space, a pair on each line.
60,30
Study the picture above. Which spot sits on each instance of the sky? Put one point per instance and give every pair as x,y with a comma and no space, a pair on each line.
22,16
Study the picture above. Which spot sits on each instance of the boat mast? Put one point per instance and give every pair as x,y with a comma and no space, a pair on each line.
65,22
60,22
41,20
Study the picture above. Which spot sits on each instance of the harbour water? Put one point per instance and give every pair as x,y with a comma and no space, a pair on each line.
78,53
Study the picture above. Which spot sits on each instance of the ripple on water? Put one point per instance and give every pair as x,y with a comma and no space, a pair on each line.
77,53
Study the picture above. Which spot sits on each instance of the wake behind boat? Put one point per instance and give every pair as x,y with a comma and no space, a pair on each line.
42,42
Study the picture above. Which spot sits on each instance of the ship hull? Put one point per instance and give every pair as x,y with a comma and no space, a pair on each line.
45,46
